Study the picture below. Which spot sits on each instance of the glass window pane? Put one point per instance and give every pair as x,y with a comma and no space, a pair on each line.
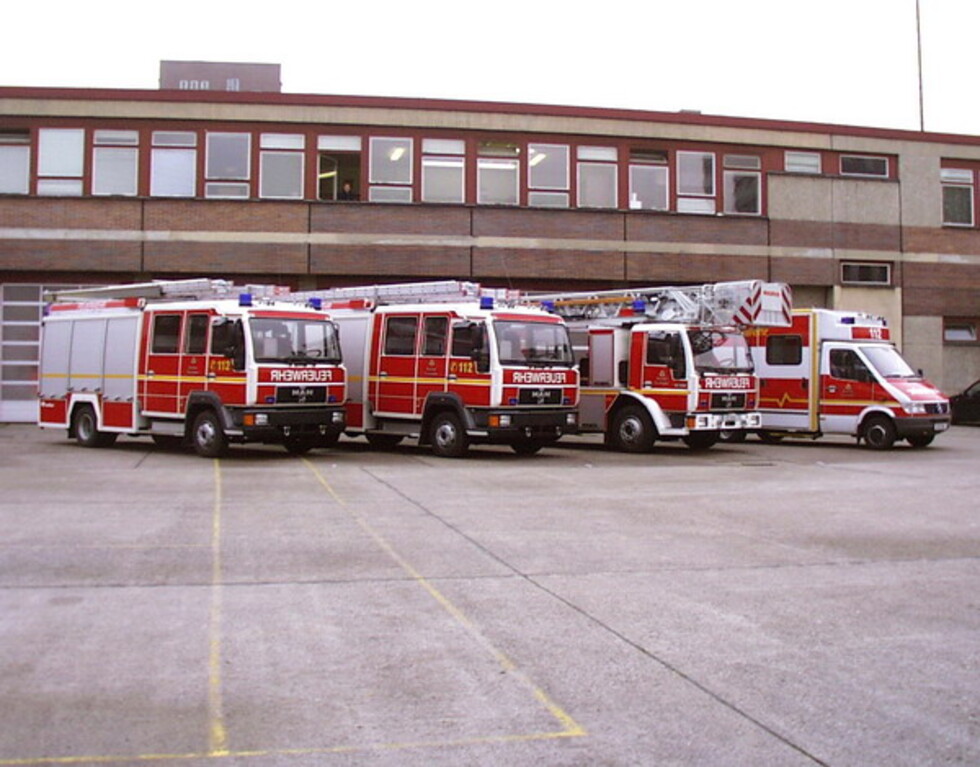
228,155
696,173
604,153
547,166
958,205
60,152
390,194
59,187
442,179
742,193
497,182
174,138
854,165
695,205
114,171
648,187
803,162
117,137
339,143
226,190
15,165
596,185
283,141
282,175
391,161
443,146
173,172
957,175
548,199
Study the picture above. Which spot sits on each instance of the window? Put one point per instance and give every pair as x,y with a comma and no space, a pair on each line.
281,166
742,187
197,334
400,335
649,180
548,175
866,273
15,162
861,165
696,182
958,196
497,170
803,162
166,333
597,177
847,365
665,348
115,160
390,170
784,350
443,170
960,331
173,164
60,161
228,165
338,163
436,334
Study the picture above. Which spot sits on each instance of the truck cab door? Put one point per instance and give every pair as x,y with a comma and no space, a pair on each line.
159,390
394,372
433,358
847,385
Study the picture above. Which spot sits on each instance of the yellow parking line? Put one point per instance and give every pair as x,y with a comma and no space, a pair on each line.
570,725
217,734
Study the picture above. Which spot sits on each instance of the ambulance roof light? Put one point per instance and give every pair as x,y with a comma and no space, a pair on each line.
244,299
847,320
315,303
486,302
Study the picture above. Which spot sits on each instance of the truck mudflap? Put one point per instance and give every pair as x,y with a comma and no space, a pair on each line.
508,426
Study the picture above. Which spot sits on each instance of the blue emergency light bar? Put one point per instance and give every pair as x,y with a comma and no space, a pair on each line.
244,299
486,302
315,303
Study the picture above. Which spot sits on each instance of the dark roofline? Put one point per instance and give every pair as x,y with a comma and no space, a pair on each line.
444,105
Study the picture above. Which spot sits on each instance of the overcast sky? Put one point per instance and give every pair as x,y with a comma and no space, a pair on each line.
851,62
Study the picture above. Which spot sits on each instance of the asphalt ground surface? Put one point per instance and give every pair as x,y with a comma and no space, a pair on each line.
797,604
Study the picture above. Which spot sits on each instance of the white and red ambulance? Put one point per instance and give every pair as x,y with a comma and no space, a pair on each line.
837,372
176,361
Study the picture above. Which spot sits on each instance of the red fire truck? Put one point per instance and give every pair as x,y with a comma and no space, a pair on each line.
452,364
837,372
668,362
184,361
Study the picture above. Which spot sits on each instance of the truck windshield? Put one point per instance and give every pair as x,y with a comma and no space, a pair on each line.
888,362
533,343
295,341
720,351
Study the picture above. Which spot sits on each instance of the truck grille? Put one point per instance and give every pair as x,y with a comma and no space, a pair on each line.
539,397
727,401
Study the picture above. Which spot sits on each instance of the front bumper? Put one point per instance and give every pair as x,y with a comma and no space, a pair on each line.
277,424
921,426
722,421
506,426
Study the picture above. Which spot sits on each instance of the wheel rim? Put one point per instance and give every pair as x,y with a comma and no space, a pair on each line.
446,436
206,434
631,431
86,426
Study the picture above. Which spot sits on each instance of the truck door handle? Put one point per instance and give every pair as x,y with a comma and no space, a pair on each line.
832,389
212,374
383,374
452,376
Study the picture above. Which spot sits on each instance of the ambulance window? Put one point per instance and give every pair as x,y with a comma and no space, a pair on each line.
166,334
845,364
197,334
784,350
400,335
436,332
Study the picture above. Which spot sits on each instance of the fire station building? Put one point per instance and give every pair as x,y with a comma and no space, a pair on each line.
107,186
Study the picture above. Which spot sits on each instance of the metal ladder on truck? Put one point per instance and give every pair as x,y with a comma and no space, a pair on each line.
436,291
743,302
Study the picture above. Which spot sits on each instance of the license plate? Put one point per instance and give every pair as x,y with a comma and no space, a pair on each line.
941,426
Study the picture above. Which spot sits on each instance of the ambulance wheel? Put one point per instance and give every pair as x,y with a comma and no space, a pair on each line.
632,430
921,440
701,440
879,432
449,440
207,435
85,428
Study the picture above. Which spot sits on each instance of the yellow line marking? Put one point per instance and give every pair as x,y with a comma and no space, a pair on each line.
570,725
217,734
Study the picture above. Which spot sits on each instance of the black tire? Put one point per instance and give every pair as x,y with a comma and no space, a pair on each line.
384,441
701,440
632,430
448,437
879,432
207,436
300,445
526,447
85,426
921,440
732,436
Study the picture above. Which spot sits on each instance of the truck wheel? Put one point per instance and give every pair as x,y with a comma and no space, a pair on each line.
700,440
207,435
879,432
632,430
921,440
449,440
85,427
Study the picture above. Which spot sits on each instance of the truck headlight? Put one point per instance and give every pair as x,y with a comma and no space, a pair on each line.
914,408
